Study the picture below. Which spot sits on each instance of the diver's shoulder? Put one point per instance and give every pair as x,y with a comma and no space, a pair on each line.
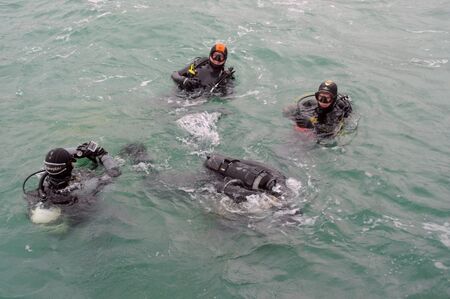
199,61
343,101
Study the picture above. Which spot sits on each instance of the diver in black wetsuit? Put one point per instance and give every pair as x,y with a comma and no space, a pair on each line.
324,114
241,178
58,184
206,74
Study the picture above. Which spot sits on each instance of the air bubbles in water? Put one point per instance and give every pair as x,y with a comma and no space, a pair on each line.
202,127
42,215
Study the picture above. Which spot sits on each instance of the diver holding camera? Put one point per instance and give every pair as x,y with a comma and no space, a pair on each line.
63,185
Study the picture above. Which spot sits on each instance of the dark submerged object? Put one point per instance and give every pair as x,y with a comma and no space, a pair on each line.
242,178
136,152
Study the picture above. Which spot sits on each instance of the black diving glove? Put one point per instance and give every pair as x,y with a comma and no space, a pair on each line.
230,72
191,83
304,122
90,150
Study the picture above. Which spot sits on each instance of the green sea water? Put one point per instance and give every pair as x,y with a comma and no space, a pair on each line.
376,204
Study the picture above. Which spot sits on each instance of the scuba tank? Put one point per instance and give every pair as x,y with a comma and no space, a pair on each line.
251,175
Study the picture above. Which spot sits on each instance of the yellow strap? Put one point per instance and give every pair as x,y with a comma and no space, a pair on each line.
192,70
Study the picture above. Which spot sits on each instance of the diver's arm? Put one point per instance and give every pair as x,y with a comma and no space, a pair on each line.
111,166
95,152
291,111
303,109
348,106
95,184
178,78
181,75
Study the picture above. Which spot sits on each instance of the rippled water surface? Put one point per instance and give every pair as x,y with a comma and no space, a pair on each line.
375,203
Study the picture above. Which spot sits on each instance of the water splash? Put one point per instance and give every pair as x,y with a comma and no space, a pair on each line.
41,215
441,266
142,167
444,231
260,211
428,62
202,128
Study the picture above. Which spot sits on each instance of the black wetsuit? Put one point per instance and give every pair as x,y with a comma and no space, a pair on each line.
209,78
81,185
307,114
241,178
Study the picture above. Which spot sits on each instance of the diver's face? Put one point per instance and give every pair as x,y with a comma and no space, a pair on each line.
217,59
324,99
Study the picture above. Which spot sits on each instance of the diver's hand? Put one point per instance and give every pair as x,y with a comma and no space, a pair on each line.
191,83
303,122
81,150
90,150
230,72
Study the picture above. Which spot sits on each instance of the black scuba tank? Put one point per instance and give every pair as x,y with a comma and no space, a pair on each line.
254,176
235,190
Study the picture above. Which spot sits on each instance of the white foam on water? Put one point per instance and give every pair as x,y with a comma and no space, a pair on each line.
142,167
261,210
184,101
64,56
428,62
145,83
440,265
82,21
291,3
104,78
120,161
444,237
244,30
195,102
34,50
294,6
41,215
296,10
371,224
141,6
104,14
258,203
201,126
426,31
294,185
249,93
